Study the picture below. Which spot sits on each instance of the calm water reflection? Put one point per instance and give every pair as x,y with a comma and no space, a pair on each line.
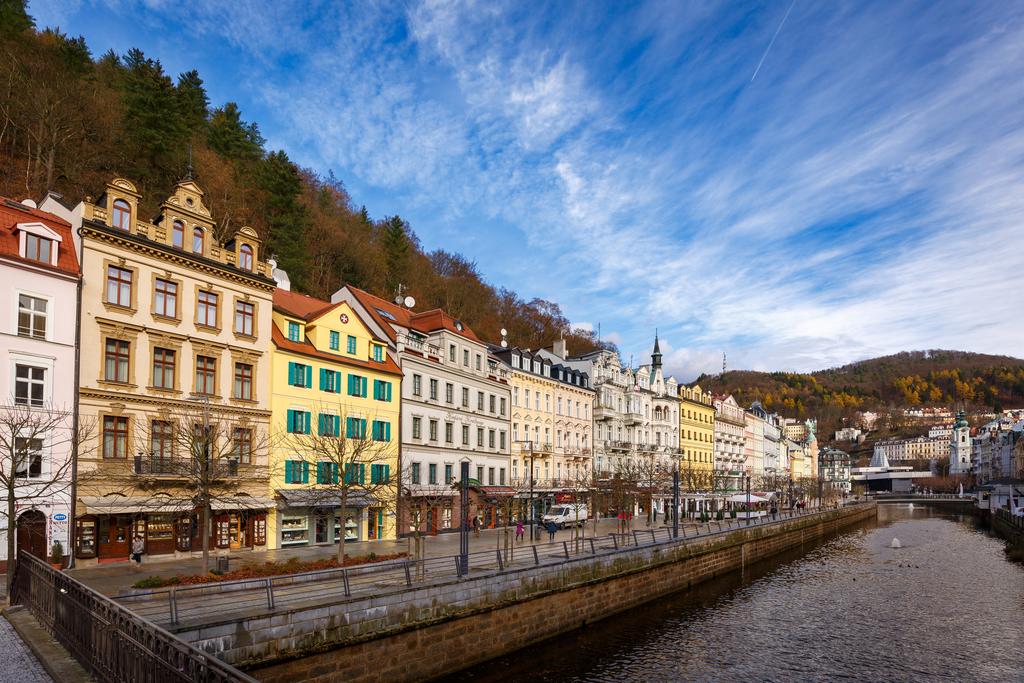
947,606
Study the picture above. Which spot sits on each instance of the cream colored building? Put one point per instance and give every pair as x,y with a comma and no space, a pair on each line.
175,335
550,421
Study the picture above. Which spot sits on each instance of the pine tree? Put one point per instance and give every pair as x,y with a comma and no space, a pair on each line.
192,101
14,18
286,219
397,247
231,137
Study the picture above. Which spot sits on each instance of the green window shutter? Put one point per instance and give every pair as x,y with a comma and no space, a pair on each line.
288,471
362,429
291,373
388,393
337,382
362,473
387,431
322,426
305,472
320,476
323,379
309,376
387,468
291,420
305,423
334,473
351,385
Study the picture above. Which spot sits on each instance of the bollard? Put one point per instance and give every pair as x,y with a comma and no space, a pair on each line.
173,597
458,565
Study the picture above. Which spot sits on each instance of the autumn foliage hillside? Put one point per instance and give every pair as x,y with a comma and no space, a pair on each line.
70,122
908,379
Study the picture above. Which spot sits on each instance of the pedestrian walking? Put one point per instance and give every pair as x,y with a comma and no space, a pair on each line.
551,530
476,525
520,531
138,547
775,512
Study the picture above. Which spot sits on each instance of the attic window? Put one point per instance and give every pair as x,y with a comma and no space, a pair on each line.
245,257
38,249
122,215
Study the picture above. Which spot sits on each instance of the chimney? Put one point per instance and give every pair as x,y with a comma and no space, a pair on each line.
559,348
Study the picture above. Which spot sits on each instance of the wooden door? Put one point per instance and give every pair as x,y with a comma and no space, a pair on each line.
32,533
115,536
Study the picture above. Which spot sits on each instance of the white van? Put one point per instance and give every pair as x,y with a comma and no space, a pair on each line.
566,514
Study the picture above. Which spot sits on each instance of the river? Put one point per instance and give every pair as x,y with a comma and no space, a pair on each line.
947,606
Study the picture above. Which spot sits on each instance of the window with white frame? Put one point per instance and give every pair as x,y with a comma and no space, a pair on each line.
28,455
29,385
31,316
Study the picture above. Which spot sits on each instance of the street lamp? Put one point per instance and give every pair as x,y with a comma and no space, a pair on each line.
747,476
530,513
464,525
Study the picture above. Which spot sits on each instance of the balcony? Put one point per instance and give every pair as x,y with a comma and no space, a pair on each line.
540,450
153,466
603,412
633,417
419,346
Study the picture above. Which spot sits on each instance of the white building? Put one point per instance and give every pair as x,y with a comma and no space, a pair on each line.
730,456
848,434
455,405
960,447
992,449
913,449
38,315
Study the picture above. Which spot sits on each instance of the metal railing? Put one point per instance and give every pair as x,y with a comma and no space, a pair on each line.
193,604
111,642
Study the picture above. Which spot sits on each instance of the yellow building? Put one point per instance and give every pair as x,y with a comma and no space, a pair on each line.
335,395
696,438
175,337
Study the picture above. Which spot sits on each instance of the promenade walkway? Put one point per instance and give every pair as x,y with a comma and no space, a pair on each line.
197,604
118,578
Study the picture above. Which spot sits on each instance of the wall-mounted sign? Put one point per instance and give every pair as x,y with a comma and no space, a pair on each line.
60,517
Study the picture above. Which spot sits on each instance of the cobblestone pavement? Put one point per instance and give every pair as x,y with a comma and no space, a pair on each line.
17,663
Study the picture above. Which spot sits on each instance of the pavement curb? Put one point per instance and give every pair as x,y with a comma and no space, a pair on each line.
55,660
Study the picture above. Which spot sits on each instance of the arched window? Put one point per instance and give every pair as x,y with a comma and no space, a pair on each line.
178,235
197,240
122,215
245,257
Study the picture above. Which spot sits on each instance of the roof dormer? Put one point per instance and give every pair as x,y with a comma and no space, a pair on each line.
38,243
122,204
186,220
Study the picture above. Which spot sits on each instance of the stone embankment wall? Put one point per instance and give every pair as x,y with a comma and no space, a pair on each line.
417,634
1009,528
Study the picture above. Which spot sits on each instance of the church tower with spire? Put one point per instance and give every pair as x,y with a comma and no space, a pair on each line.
960,447
655,356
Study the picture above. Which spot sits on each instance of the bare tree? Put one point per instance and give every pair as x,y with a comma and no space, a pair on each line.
37,445
352,457
423,505
199,454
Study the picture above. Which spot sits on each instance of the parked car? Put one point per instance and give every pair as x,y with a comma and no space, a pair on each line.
566,515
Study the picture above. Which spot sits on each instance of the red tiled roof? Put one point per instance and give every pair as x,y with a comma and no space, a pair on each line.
306,349
300,305
427,321
12,213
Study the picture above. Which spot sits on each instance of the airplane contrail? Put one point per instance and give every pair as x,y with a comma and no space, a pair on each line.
768,49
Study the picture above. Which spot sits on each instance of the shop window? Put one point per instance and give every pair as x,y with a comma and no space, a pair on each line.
294,530
259,530
183,534
85,537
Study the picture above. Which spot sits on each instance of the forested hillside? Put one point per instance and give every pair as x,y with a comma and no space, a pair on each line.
69,122
914,378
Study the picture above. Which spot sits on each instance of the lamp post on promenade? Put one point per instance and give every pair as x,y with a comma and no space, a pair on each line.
748,497
529,514
464,522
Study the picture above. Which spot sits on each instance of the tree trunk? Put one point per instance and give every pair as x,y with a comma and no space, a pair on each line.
11,531
205,523
341,526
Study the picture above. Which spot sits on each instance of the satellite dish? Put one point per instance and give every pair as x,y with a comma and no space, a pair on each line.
398,299
504,343
458,325
409,302
504,332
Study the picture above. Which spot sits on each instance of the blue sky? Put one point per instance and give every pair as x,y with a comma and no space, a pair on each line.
862,195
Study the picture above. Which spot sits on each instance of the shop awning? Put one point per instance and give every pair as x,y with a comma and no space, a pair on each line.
123,505
242,503
304,498
742,498
497,490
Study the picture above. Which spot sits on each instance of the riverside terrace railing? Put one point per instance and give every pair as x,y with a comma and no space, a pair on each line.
191,604
108,640
1011,519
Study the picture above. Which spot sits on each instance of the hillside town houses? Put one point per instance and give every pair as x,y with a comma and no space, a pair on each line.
182,394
